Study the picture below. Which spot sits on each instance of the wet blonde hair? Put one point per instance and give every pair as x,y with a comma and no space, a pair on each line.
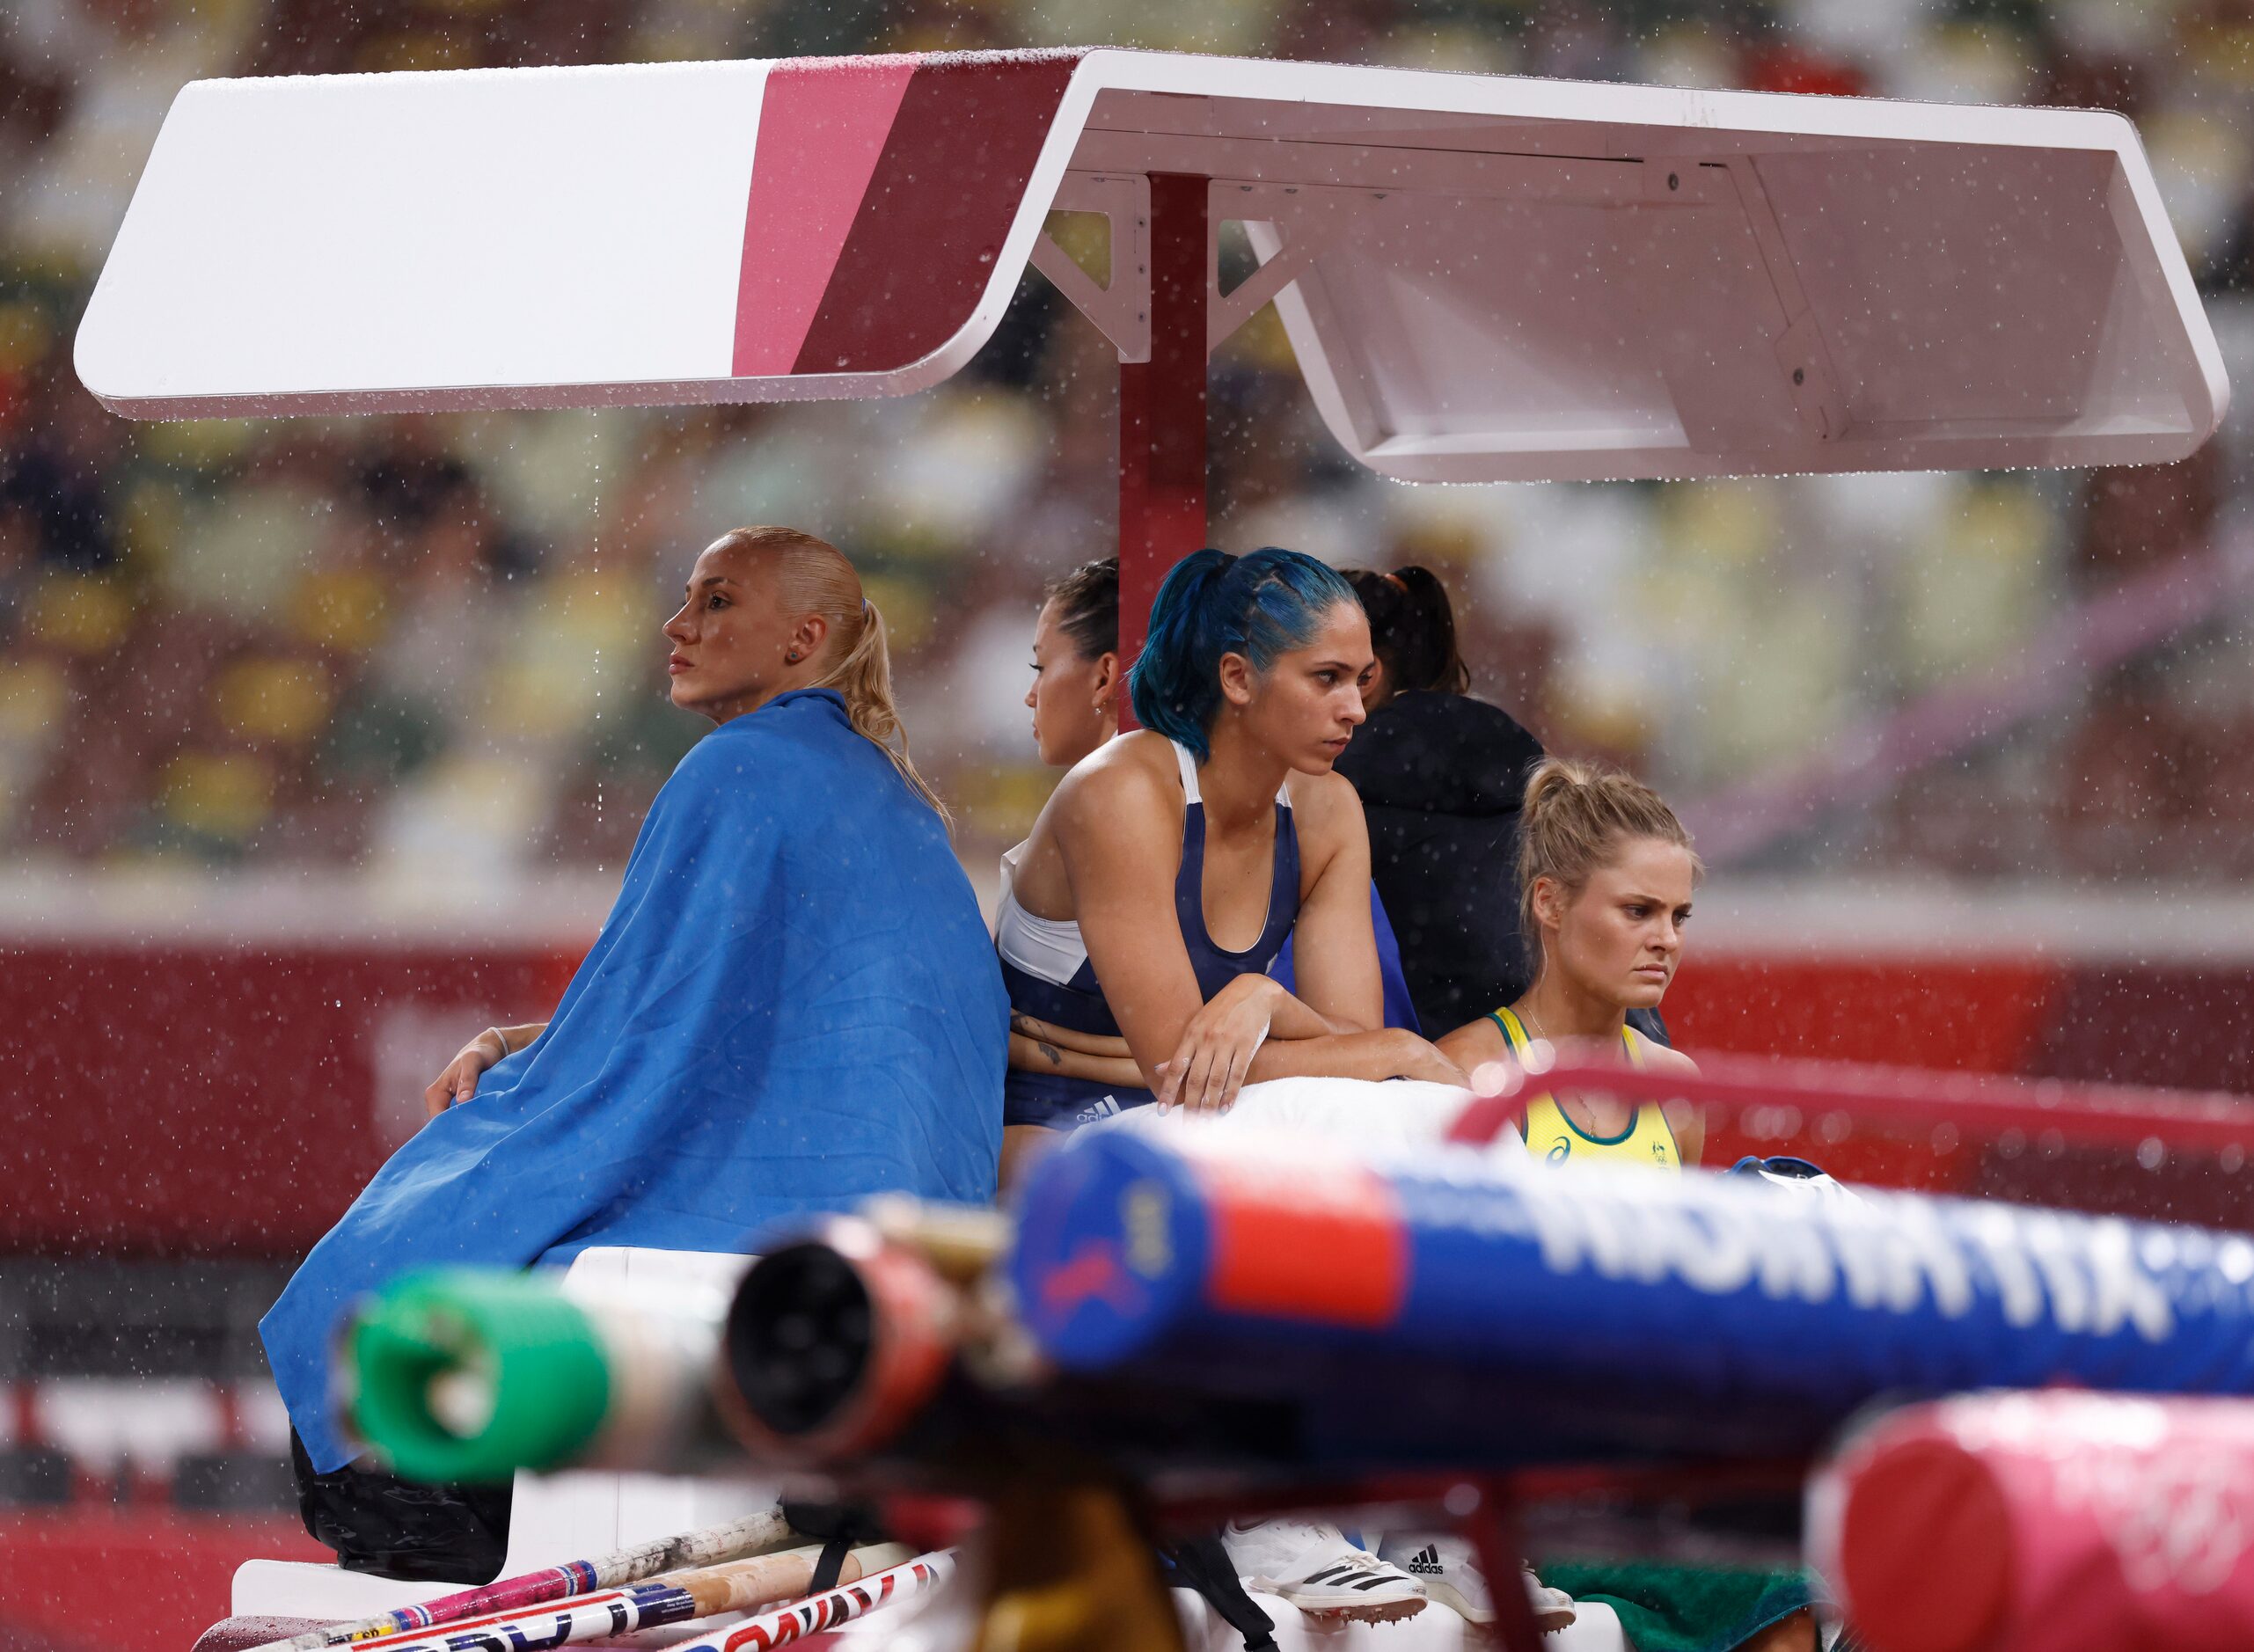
1575,819
813,577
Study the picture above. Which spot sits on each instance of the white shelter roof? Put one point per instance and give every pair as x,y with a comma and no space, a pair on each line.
1483,277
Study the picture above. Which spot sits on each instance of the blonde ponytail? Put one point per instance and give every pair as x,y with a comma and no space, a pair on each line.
864,676
813,577
1575,818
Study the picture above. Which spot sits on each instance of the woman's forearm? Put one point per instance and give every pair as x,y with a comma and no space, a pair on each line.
1295,1018
1288,1016
1042,1031
1388,1053
517,1037
1031,1055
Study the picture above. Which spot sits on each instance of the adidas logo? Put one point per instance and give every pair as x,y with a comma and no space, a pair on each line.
1424,1563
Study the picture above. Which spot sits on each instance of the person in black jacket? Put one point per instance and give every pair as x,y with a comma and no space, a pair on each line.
1441,777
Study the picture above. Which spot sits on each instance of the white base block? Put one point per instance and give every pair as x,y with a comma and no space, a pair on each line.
1435,1629
1595,1628
554,1517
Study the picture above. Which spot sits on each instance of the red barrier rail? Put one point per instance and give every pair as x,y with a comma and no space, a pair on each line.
2109,1115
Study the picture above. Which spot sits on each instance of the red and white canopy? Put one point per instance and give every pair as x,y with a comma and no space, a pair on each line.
1483,277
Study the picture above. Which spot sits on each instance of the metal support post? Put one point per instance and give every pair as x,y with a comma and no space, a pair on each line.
1162,412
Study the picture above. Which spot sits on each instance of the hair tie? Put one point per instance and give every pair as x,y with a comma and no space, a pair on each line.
1398,583
865,608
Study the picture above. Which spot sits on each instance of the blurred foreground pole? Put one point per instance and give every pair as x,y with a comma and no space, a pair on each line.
2057,1522
1162,412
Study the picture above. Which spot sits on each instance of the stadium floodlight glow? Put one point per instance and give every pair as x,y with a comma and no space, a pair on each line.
1483,277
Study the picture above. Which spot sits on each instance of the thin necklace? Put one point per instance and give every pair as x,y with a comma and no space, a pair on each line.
1533,1026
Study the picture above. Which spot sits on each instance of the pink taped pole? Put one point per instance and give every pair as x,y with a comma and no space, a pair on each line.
710,1546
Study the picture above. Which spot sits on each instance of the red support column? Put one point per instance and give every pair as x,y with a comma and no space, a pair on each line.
1162,412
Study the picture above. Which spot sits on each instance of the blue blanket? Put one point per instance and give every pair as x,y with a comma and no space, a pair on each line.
794,1004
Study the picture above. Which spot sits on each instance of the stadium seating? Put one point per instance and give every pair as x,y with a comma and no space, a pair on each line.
432,643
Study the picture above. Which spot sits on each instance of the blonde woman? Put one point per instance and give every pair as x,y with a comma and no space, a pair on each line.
1605,875
793,1004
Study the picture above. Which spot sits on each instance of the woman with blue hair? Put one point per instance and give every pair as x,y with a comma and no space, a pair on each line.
1170,867
1160,884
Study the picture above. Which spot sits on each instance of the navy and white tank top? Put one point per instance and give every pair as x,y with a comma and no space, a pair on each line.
1046,969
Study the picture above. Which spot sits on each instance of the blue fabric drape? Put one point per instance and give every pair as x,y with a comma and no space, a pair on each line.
792,1004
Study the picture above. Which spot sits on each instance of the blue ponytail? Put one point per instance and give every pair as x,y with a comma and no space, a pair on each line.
1259,605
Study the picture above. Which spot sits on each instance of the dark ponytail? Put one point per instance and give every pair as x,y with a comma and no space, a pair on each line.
1413,628
1086,600
1258,605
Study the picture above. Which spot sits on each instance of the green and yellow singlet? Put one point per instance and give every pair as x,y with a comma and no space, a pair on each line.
1554,1138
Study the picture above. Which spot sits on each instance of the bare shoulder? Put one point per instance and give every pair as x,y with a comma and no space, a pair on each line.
1327,805
1658,1058
1128,783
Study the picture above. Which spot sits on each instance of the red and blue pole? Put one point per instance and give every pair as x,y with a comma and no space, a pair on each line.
1501,1311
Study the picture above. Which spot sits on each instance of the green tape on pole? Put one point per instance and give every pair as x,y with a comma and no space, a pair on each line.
464,1375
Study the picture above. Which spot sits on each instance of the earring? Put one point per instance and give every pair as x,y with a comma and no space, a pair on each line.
791,658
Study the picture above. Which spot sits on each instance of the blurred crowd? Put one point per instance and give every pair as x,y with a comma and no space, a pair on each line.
431,643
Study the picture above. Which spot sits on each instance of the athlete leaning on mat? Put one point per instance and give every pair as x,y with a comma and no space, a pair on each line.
1605,872
1161,880
793,1004
1074,699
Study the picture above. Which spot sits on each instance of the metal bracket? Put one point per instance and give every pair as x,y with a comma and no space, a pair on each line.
1308,219
1811,378
1121,308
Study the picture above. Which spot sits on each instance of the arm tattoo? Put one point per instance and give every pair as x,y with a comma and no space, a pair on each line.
1023,1025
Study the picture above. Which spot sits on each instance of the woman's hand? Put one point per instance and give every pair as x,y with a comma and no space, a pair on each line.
1421,1059
1208,1067
459,1082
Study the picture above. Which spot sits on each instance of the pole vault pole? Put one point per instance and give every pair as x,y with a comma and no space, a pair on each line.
1163,412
